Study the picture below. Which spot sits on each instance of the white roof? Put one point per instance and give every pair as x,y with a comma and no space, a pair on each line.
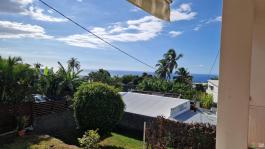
214,82
150,105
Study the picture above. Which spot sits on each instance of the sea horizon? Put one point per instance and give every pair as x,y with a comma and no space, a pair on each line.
197,78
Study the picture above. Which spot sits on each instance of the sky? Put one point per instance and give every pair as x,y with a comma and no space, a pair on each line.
38,34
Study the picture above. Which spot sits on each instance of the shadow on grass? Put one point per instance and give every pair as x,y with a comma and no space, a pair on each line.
138,135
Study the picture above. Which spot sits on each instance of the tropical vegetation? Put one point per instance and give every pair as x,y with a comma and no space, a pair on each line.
98,106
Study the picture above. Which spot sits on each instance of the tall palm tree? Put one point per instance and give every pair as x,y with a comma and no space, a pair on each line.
171,57
168,64
183,76
73,64
162,70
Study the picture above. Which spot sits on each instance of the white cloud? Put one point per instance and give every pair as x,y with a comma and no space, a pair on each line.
175,33
142,29
184,12
14,30
37,14
206,22
213,20
79,0
26,7
135,9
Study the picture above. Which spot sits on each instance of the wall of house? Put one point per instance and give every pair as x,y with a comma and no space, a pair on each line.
214,92
257,92
235,70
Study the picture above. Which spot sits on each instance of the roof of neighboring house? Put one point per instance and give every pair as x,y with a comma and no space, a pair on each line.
153,106
200,116
214,82
150,105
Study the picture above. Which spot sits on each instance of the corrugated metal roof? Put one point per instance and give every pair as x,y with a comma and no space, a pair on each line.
150,105
201,116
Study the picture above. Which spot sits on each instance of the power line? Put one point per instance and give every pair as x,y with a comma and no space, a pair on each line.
113,46
215,59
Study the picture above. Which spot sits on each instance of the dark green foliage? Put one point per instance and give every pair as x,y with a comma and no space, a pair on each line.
62,83
184,90
183,76
167,64
98,106
154,84
163,133
104,76
16,81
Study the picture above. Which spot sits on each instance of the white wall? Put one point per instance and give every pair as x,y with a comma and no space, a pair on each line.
257,102
214,92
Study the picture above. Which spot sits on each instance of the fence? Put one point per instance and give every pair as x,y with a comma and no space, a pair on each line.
9,113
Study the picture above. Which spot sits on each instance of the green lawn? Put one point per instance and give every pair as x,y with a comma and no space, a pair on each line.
114,141
117,141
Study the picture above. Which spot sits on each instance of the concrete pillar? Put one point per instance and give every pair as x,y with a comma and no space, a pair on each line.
235,70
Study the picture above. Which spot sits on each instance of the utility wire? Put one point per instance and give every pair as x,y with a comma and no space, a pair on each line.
97,36
215,59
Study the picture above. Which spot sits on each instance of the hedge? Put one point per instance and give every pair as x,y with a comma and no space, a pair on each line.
162,133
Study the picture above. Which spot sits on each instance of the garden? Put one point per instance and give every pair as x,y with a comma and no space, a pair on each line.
96,104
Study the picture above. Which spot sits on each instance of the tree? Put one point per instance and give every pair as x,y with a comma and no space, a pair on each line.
16,80
183,76
62,83
73,64
101,75
168,64
98,106
37,65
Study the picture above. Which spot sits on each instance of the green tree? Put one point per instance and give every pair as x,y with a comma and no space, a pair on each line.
168,64
16,80
183,76
98,106
101,75
73,64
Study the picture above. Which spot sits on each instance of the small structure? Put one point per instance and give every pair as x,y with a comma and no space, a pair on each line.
213,89
142,108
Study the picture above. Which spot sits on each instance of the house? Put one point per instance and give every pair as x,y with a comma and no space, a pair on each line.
142,108
212,88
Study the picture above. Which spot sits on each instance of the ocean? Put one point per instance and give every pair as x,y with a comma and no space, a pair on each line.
197,78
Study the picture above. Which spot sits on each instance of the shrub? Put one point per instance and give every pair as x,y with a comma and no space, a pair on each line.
90,140
163,133
99,106
206,100
186,91
154,84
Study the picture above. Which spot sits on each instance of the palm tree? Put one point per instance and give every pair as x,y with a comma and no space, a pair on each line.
183,76
73,64
37,65
171,57
162,70
168,64
16,80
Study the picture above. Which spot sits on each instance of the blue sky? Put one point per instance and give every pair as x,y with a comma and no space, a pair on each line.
37,34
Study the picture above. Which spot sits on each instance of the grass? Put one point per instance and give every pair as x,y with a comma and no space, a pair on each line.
37,142
114,141
118,141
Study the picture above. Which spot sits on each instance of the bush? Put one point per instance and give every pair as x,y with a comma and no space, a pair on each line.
90,140
186,91
163,133
154,84
99,106
206,100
